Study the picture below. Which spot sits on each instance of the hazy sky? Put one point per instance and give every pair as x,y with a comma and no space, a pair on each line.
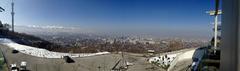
157,16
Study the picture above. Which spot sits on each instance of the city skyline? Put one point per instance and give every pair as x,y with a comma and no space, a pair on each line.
155,16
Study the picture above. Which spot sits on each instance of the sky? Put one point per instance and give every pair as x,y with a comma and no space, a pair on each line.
168,17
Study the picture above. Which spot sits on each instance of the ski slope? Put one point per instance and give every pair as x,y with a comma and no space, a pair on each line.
38,52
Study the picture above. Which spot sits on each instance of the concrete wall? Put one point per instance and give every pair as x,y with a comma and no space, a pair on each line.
230,49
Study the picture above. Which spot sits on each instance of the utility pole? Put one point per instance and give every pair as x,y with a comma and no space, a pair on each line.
12,13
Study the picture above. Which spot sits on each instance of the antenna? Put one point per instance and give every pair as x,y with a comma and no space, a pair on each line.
215,13
12,13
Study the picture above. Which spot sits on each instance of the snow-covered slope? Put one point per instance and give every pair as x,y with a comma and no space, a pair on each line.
38,52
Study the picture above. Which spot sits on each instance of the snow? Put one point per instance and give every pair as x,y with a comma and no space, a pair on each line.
38,52
186,55
172,58
181,57
163,60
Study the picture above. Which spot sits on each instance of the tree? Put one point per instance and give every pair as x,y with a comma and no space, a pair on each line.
6,26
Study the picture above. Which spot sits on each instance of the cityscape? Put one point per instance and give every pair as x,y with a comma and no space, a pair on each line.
110,35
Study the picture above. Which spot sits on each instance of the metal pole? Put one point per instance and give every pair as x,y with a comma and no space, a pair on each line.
215,32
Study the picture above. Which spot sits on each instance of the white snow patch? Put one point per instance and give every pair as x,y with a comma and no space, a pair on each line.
38,52
163,60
